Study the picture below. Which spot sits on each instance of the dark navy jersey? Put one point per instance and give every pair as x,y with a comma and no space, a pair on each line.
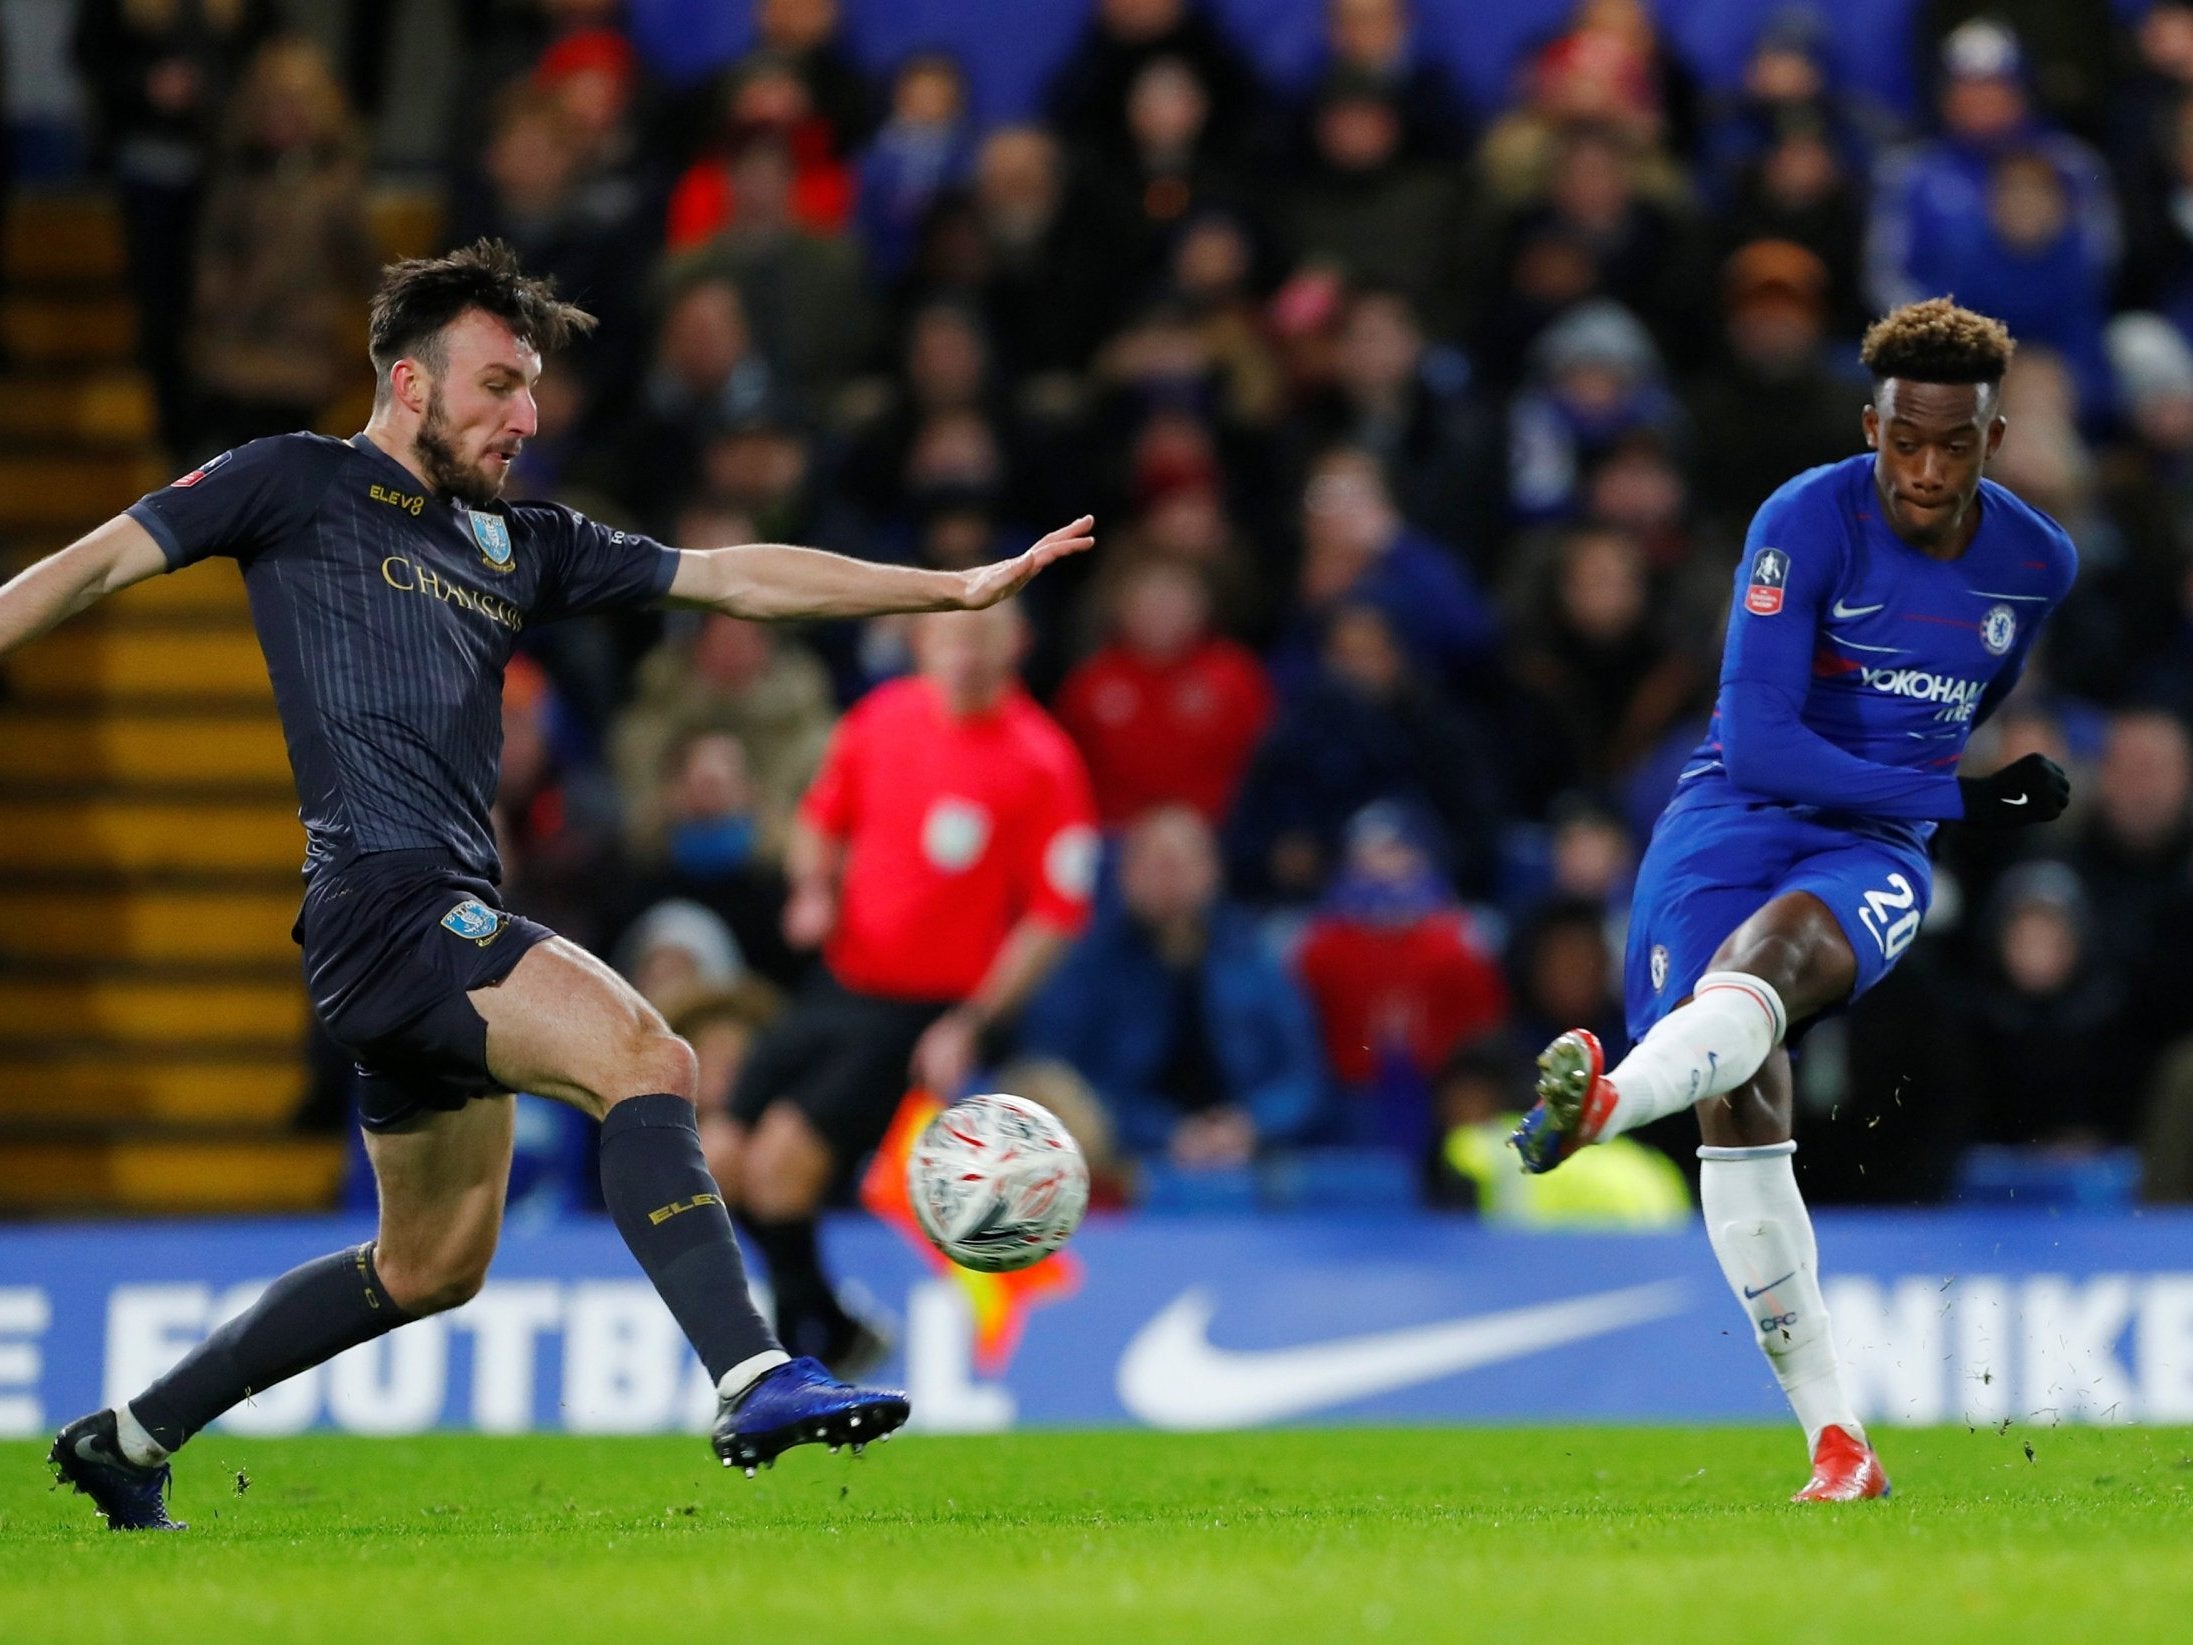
1857,666
387,615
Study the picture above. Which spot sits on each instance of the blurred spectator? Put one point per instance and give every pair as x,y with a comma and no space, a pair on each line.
1595,380
1787,86
532,188
1563,974
1172,1007
747,680
942,862
1407,402
925,148
1357,550
1212,277
1173,166
721,1027
286,260
1481,1095
1590,651
808,36
2144,113
1641,251
1377,41
1772,407
678,951
2158,271
1364,207
2034,266
1365,728
1997,197
2134,856
1033,258
2044,1021
1166,712
698,840
1609,69
805,291
157,77
2071,46
705,375
1092,91
766,108
944,367
555,814
1399,977
1801,189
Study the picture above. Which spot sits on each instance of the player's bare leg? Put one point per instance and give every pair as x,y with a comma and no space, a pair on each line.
565,1025
441,1180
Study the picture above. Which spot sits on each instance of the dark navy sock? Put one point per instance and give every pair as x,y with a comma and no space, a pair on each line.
809,1318
311,1314
666,1206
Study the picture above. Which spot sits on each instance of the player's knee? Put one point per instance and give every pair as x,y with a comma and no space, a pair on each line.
436,1284
655,1061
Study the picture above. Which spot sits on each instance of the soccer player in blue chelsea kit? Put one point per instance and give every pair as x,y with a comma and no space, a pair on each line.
389,584
1884,606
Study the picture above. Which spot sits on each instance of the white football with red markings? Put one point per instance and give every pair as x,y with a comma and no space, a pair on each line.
997,1182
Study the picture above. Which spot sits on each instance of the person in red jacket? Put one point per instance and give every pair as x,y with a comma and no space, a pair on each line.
1167,712
1398,975
943,860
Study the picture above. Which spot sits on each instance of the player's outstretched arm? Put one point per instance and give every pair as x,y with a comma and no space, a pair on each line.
772,581
119,553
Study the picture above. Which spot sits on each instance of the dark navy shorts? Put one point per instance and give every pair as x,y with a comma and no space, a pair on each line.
841,1059
393,943
1709,868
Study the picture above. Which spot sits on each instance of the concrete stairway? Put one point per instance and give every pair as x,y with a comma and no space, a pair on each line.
151,1013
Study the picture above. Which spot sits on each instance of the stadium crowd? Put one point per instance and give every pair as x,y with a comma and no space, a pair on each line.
1421,436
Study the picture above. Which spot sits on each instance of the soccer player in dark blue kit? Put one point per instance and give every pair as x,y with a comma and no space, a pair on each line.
389,585
1885,605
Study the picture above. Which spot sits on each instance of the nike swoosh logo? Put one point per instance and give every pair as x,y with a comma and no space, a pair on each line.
1842,610
87,1447
1749,1293
2020,800
1174,1376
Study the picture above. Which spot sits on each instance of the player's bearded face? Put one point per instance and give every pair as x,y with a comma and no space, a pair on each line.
475,481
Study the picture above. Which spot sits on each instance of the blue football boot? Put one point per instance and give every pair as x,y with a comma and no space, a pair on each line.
88,1455
800,1403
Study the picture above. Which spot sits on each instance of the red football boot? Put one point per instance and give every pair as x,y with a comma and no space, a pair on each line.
1574,1102
1844,1469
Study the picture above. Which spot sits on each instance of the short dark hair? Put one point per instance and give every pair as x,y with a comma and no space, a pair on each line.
419,298
1937,342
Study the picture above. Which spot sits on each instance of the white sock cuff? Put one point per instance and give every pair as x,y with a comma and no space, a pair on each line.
749,1371
1765,1150
1769,1001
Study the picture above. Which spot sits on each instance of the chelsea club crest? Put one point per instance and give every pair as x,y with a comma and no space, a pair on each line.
1997,629
474,921
492,533
1659,966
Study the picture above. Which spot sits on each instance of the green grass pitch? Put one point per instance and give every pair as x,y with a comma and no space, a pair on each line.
1606,1535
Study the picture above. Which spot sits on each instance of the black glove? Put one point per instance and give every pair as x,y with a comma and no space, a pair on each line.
2030,789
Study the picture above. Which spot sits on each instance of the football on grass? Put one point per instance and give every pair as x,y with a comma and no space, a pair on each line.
997,1183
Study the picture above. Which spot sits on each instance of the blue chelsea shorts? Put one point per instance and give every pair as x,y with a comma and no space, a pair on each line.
1709,868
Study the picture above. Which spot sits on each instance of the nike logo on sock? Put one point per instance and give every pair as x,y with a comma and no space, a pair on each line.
1749,1293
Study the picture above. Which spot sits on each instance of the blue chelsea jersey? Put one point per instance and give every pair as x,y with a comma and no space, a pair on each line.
1856,666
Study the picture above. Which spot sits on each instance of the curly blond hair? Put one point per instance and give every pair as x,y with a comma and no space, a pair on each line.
1937,342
